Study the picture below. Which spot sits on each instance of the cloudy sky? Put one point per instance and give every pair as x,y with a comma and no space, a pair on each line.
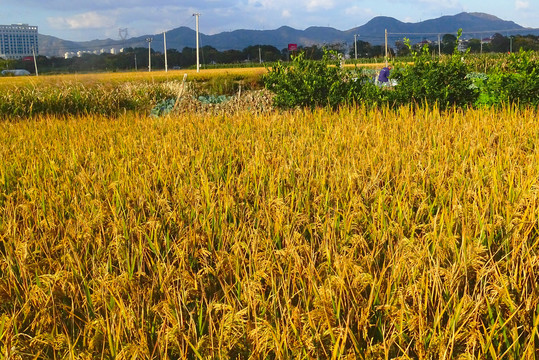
80,20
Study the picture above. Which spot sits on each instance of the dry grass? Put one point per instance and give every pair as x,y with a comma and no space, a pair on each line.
372,234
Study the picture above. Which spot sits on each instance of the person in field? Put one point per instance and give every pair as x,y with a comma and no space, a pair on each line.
383,77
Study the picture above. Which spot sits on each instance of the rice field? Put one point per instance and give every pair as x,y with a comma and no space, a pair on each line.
246,74
362,233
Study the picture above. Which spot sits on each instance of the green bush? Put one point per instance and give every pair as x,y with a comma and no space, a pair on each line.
519,81
307,83
310,83
434,81
513,81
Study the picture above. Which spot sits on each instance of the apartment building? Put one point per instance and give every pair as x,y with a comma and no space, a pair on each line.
18,41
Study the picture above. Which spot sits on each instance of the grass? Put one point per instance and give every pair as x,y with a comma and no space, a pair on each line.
362,233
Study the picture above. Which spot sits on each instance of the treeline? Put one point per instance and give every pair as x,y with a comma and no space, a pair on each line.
136,59
495,44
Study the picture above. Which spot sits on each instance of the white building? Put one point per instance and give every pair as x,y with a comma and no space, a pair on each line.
18,41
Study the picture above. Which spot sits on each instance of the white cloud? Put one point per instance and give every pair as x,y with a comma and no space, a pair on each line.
89,20
354,10
522,5
286,13
313,5
445,4
82,5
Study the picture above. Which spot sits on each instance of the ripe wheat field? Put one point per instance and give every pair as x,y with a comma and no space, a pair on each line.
360,233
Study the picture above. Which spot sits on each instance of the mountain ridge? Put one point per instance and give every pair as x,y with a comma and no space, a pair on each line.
372,31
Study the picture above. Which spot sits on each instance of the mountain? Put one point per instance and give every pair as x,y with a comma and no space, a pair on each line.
473,25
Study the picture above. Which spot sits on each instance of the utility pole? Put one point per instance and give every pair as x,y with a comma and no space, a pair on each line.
355,44
439,46
165,42
197,15
511,43
386,46
149,40
35,62
136,62
259,55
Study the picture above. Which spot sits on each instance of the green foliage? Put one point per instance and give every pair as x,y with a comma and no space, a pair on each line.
429,81
163,107
309,83
514,81
6,64
451,81
305,83
519,82
479,82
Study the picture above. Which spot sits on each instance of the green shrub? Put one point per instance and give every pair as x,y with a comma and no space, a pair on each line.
309,83
513,81
480,82
519,81
429,81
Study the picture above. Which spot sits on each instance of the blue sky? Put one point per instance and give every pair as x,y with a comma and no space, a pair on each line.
81,20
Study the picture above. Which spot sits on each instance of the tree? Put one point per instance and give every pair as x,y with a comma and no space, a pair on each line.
173,57
231,56
210,55
379,51
188,57
313,52
267,52
474,45
366,50
336,47
499,43
401,48
528,42
448,43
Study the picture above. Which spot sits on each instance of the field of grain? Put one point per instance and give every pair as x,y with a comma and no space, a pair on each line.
360,233
112,94
251,74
